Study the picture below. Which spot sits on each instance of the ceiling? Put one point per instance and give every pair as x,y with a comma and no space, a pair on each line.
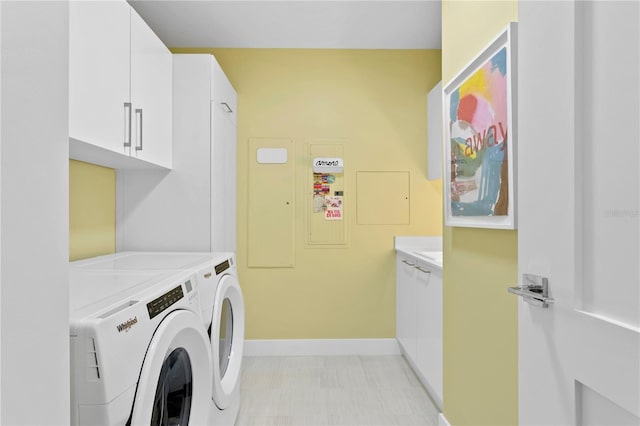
327,24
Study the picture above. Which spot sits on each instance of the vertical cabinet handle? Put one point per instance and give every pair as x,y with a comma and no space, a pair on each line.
127,124
226,107
139,128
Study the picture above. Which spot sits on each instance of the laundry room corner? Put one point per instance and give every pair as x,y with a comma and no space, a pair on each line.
92,210
369,108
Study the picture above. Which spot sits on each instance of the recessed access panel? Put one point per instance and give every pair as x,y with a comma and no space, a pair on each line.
271,215
382,198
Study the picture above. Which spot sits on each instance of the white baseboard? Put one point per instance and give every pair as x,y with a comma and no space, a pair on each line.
321,347
442,420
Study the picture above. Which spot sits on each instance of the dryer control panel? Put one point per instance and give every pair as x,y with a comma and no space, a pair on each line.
221,267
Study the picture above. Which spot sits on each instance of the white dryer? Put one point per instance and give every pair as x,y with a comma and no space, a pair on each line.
139,352
222,310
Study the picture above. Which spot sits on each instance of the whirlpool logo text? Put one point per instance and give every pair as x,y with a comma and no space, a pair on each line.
125,326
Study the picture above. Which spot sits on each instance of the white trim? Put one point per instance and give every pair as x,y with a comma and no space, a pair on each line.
506,39
321,347
442,420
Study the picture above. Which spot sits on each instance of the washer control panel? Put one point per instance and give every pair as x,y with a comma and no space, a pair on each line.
159,304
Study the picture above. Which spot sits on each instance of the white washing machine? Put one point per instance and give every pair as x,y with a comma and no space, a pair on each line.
222,310
139,352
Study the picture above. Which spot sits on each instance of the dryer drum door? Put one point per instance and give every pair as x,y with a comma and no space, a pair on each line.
227,340
173,389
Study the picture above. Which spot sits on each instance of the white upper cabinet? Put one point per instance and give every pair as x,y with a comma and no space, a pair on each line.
119,88
99,72
434,133
151,70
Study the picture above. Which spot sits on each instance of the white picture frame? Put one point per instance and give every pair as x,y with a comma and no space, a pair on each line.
480,138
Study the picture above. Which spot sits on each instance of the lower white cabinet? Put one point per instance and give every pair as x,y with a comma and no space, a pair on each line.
191,207
406,307
419,320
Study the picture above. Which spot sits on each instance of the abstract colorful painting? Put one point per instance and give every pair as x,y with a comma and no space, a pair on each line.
479,139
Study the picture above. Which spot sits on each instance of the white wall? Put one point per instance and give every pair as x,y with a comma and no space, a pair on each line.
0,207
34,247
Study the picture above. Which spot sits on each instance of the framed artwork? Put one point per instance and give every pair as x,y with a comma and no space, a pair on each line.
480,139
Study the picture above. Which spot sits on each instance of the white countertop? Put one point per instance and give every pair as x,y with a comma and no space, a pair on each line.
426,250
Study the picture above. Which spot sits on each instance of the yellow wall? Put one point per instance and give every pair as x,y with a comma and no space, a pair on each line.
376,101
480,318
92,210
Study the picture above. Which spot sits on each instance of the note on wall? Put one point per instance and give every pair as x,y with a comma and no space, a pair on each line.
326,224
333,208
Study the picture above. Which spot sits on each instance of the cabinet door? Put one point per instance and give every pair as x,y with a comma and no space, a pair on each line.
151,92
223,94
429,320
423,317
99,72
433,332
223,161
406,305
223,181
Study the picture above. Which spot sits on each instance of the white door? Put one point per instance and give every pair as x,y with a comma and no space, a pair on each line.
578,189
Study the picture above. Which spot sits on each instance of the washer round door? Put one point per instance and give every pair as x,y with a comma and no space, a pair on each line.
173,388
227,340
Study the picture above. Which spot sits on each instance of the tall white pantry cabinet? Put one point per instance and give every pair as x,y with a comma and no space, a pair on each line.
193,206
34,213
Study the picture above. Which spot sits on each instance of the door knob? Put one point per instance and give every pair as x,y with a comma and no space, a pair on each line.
534,290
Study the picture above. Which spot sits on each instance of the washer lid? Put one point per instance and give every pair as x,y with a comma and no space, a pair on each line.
93,291
140,261
92,287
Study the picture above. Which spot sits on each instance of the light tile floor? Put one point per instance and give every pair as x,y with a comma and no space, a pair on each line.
332,390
